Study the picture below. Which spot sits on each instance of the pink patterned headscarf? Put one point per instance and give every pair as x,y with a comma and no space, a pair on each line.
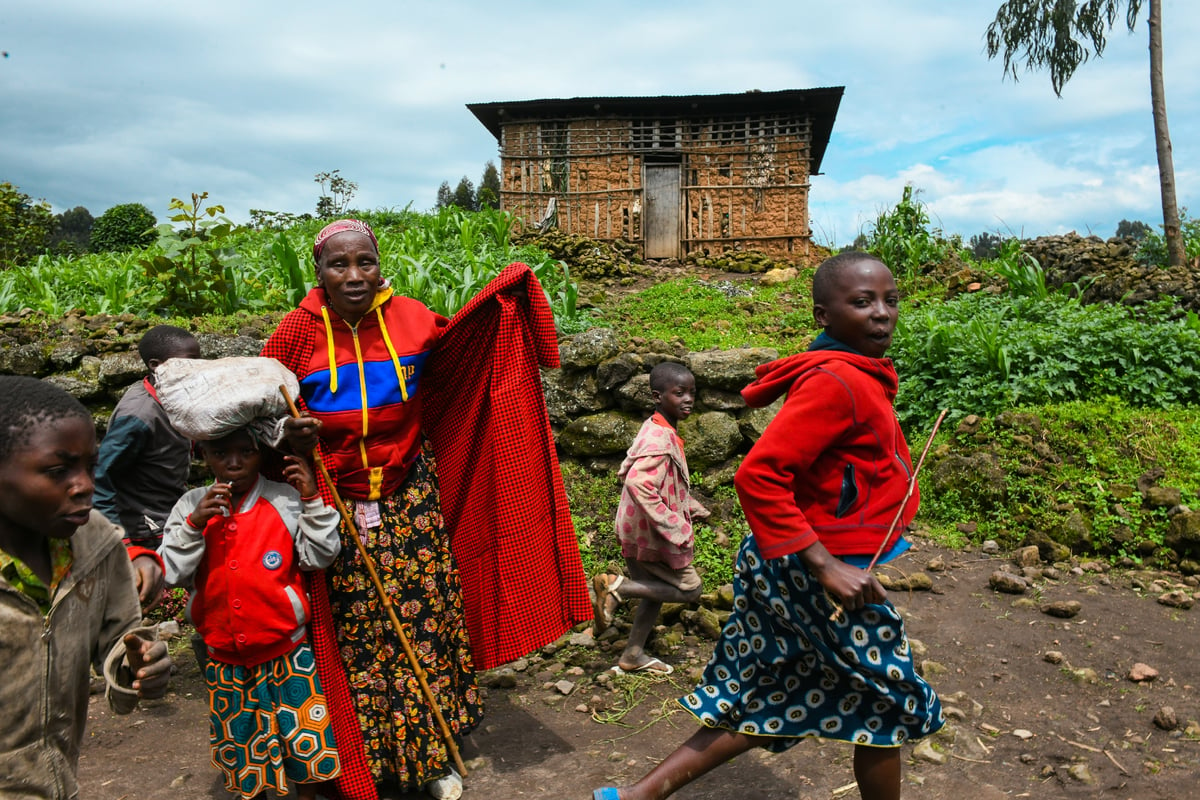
338,227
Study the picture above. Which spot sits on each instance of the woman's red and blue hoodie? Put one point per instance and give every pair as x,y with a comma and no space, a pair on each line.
832,466
362,382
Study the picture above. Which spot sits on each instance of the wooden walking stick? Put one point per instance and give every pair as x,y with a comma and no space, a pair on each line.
383,597
912,484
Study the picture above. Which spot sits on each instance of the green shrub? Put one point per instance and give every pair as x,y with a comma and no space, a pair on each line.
982,353
25,226
1024,274
1153,249
195,270
129,226
593,500
903,239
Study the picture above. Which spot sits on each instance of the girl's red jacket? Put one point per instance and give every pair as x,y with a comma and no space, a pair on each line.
833,465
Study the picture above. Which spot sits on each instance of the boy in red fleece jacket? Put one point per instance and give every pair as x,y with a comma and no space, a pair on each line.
819,489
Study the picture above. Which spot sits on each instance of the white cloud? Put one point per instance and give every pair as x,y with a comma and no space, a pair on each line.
140,101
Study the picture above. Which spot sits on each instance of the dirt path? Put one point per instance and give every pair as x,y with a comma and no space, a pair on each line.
1021,725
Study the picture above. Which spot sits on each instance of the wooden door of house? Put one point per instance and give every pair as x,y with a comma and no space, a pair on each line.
661,218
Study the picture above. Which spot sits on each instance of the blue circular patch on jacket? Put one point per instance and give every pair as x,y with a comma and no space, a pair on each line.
272,559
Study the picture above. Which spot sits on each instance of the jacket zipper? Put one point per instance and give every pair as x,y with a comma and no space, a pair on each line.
362,393
47,626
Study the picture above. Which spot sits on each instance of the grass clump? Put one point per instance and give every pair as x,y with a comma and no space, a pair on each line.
1072,473
704,315
593,499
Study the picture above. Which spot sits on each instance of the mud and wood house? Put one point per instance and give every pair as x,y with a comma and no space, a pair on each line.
673,174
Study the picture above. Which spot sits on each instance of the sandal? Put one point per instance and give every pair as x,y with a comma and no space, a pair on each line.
655,666
603,588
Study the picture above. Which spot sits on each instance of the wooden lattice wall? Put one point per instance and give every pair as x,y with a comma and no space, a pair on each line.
744,180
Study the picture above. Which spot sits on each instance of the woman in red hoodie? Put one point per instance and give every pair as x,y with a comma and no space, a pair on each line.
427,426
819,489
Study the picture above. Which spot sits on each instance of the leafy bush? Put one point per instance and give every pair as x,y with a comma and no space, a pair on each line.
1153,250
903,238
1070,471
129,226
25,226
981,353
195,271
1024,274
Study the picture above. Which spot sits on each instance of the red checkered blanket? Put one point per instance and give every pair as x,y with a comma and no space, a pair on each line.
501,489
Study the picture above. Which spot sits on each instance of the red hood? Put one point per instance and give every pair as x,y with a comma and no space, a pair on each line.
776,377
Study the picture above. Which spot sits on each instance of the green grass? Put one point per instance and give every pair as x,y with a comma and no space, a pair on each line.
593,499
703,316
1070,464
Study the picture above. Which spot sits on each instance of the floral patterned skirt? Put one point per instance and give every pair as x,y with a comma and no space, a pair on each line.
411,549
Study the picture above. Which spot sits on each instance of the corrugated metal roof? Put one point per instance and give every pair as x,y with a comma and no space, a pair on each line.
820,103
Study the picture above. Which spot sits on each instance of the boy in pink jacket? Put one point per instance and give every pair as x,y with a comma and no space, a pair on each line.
654,521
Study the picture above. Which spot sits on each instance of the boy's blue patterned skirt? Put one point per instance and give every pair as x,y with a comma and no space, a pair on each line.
782,669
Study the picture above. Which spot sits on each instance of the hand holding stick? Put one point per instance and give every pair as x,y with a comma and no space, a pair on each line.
912,484
369,563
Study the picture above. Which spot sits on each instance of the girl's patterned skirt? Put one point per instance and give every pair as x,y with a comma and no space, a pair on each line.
411,550
782,669
269,724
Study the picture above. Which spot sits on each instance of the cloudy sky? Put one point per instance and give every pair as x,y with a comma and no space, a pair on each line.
132,101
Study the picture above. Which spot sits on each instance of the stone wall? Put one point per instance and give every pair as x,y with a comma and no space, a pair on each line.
95,358
600,396
1108,271
597,400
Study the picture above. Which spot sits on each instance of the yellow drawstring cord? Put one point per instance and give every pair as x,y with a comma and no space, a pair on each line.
395,358
332,355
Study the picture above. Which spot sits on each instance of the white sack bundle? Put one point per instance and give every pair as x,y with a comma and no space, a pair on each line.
209,399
